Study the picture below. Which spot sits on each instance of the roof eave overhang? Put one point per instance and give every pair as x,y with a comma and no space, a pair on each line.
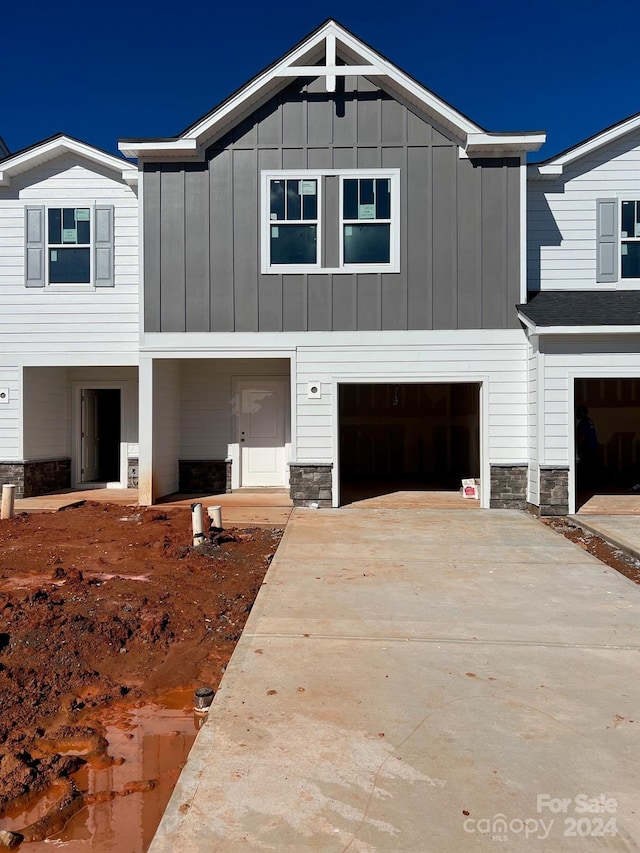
19,163
535,329
556,166
496,144
327,42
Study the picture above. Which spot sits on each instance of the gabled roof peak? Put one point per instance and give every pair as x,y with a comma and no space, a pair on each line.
317,56
555,166
55,146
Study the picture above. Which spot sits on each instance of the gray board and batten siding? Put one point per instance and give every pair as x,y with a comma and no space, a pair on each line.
460,224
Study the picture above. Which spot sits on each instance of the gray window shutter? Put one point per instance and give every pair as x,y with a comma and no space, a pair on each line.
607,240
34,246
103,230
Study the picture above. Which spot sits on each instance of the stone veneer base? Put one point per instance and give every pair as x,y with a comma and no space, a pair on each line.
554,491
310,484
508,487
206,476
39,477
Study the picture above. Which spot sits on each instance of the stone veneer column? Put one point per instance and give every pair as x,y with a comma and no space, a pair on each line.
508,487
554,490
310,484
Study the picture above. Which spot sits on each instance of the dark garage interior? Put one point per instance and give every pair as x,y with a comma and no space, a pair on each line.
407,436
614,409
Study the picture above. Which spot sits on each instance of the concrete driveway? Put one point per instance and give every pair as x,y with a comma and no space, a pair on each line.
421,680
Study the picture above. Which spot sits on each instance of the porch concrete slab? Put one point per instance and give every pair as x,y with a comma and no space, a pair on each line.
410,699
255,508
71,497
623,531
268,508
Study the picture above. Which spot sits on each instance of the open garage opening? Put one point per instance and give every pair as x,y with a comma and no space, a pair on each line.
407,436
607,437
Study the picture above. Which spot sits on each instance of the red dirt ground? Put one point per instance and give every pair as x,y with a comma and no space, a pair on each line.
101,602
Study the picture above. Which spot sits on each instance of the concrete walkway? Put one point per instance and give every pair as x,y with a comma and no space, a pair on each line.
623,531
422,681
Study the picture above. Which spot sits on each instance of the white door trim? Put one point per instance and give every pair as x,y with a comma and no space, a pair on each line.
78,386
235,447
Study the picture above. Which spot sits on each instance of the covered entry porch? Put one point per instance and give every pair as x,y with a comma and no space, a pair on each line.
213,425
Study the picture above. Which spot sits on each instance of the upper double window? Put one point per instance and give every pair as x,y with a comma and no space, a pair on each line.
332,221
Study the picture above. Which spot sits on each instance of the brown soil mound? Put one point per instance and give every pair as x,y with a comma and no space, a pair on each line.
101,602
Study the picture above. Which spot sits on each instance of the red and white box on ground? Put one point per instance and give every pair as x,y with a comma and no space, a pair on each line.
471,489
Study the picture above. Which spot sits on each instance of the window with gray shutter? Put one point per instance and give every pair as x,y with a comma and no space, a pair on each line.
104,246
607,240
34,246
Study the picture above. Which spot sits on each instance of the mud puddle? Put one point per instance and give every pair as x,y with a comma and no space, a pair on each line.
124,786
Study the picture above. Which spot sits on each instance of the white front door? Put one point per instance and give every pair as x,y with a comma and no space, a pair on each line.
90,448
261,426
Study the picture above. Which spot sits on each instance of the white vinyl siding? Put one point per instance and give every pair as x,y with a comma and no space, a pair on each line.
561,215
207,423
58,319
10,414
532,405
503,365
46,397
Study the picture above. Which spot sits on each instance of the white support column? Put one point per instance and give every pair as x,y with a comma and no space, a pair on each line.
145,455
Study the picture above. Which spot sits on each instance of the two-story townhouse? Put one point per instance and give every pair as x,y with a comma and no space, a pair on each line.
332,259
69,318
583,316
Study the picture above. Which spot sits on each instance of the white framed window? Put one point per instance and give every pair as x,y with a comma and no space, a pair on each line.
369,222
69,244
291,222
330,221
630,239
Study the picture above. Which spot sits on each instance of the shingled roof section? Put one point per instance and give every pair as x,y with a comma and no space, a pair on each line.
583,308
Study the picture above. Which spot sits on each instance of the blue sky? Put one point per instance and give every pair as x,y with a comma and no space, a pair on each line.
102,71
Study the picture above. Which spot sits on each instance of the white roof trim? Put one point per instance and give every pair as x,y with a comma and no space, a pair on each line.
555,167
534,329
481,143
38,154
326,41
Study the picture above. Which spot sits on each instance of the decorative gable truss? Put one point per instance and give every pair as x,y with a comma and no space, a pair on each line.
332,52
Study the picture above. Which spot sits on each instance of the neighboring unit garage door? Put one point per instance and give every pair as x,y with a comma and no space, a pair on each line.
614,409
421,436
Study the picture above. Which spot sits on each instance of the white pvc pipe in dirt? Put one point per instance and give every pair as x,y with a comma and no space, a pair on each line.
8,501
196,523
215,514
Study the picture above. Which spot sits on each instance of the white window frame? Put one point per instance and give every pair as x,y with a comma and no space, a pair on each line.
266,222
629,283
90,246
393,175
319,175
